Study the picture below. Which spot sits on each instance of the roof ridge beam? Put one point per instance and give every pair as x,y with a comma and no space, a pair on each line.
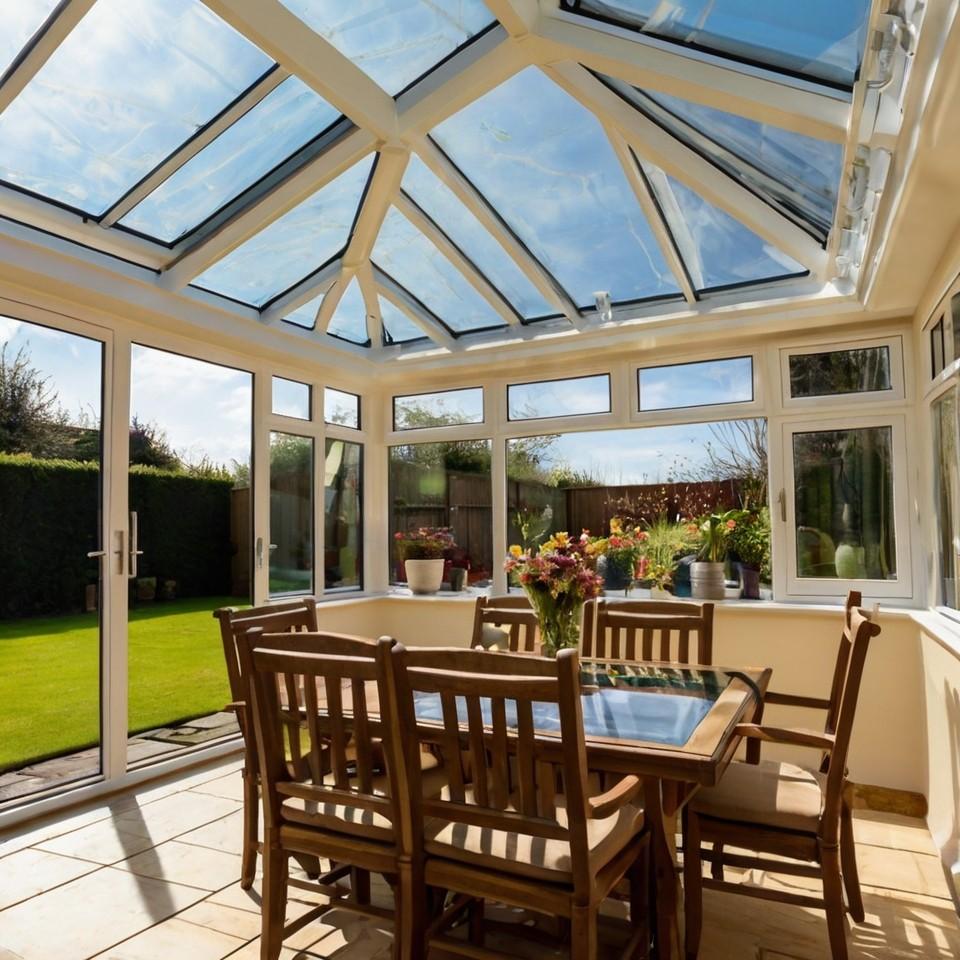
654,145
517,17
317,62
415,311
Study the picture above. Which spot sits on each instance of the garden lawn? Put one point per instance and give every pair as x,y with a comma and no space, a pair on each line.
50,676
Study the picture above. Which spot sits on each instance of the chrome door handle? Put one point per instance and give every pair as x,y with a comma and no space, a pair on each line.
782,499
135,550
96,553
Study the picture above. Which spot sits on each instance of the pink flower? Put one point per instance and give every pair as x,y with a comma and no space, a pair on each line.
731,524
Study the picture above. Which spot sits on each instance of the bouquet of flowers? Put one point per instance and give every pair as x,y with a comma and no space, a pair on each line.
424,543
558,579
619,556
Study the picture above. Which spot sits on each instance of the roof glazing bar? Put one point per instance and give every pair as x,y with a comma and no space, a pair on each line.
416,312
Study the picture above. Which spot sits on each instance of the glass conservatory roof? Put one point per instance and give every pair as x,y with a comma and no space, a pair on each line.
531,199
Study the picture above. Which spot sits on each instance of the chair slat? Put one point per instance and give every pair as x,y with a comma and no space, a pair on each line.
361,736
526,759
478,751
338,736
500,765
683,648
316,758
665,643
647,653
451,745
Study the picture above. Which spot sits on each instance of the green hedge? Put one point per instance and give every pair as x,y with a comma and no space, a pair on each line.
48,523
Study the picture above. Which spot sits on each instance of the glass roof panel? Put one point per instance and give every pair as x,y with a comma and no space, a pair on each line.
21,20
819,39
349,320
394,41
279,125
397,326
131,83
415,263
717,249
306,315
463,228
293,246
545,164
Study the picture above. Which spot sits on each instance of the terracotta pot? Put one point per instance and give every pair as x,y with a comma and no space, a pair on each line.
424,576
707,580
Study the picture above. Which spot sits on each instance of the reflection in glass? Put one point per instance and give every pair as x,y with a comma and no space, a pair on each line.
291,515
445,485
293,246
836,372
21,20
291,399
132,82
349,320
440,203
696,384
341,408
279,125
545,164
946,478
844,504
397,326
559,398
393,41
343,536
415,263
446,408
938,348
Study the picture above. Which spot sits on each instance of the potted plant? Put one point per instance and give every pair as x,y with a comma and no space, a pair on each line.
706,573
421,552
618,556
558,579
749,542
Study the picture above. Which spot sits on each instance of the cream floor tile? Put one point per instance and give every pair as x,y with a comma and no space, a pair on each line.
893,831
901,870
192,866
88,915
174,938
229,786
244,924
225,834
33,833
29,872
171,816
104,842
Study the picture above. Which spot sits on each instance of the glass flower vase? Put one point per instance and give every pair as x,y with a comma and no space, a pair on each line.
559,620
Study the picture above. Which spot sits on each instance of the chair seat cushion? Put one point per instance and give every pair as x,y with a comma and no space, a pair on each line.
528,856
770,794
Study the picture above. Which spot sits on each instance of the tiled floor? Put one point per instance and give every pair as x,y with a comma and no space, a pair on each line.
152,876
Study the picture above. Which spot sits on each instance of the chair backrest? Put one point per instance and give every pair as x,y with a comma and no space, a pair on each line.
514,614
481,706
857,633
642,630
853,602
311,695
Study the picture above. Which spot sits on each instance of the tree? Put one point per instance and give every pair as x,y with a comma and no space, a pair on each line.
31,418
738,451
150,447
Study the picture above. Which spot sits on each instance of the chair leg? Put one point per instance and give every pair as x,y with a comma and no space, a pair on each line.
410,912
848,863
476,914
833,899
583,932
360,884
693,883
251,816
716,864
640,912
274,906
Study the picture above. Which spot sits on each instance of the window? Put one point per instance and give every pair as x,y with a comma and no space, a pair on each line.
291,399
291,515
446,408
837,372
445,485
699,384
938,358
340,408
343,513
946,477
955,326
571,397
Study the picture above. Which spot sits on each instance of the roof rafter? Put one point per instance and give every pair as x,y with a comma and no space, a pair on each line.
656,146
331,300
64,18
317,282
517,16
371,304
416,312
318,63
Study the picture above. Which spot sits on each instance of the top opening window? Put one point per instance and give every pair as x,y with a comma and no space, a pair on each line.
341,408
291,399
700,384
446,408
866,370
571,397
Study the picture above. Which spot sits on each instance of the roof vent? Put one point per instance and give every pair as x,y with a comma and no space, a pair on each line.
604,310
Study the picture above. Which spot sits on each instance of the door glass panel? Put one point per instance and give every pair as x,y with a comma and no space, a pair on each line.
190,444
343,535
946,477
291,515
835,372
844,504
50,515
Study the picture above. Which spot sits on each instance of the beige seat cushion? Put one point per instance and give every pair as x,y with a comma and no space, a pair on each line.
531,856
494,638
771,794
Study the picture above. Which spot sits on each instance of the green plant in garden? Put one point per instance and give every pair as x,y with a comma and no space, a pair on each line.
749,541
715,530
424,543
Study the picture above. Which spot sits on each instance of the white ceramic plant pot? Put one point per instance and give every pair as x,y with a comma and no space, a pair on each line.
424,576
707,580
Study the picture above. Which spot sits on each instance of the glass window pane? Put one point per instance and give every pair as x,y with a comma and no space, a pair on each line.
938,357
820,39
349,320
132,82
393,41
397,326
946,478
444,485
291,398
294,245
835,372
545,164
696,384
277,127
415,263
463,228
955,324
21,20
444,409
844,504
291,514
341,408
559,398
343,500
306,315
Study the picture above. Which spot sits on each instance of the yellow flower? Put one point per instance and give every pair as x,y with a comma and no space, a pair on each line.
616,525
516,550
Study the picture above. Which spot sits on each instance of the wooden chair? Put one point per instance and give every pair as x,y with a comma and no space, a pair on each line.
322,804
782,810
516,618
509,836
643,630
294,616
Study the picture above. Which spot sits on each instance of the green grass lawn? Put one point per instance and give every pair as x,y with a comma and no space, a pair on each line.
50,676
